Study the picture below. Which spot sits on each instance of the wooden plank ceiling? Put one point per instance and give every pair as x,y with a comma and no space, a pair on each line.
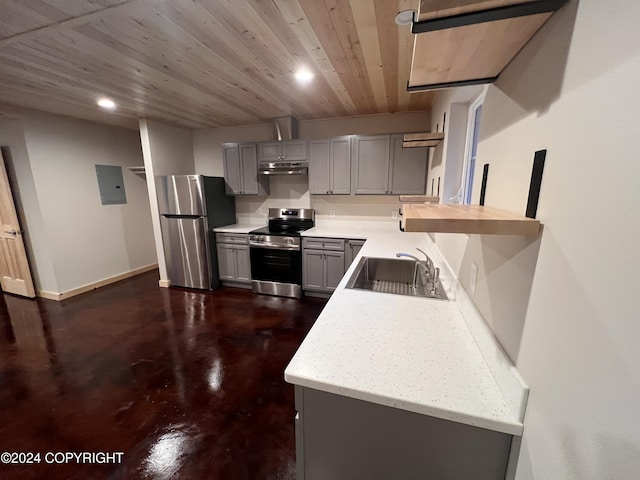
206,63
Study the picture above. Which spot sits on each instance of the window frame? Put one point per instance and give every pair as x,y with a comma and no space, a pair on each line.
468,167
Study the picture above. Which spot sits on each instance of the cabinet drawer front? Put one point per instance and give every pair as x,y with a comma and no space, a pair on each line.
235,238
323,243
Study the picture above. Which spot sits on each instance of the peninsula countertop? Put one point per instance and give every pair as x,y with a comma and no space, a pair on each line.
239,227
415,354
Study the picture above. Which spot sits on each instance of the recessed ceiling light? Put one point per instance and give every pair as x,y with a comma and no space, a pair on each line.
304,75
107,103
405,17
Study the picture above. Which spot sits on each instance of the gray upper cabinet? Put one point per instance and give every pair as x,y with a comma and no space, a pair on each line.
270,152
340,156
382,167
370,162
294,150
241,170
291,151
408,169
330,166
319,167
232,168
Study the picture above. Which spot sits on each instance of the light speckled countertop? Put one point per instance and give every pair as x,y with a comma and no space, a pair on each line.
350,229
239,227
411,353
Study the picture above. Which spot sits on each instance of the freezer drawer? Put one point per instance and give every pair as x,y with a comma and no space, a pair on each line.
186,250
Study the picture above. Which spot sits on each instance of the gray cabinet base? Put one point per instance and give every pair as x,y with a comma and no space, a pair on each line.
237,285
344,439
311,293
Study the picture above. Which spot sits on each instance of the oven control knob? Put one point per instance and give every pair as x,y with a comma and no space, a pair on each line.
261,238
289,241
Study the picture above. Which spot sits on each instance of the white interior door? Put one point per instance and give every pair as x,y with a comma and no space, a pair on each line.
15,276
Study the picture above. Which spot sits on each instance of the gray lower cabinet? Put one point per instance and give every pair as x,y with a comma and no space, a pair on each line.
313,270
243,264
334,269
330,166
226,262
351,249
241,170
322,264
342,438
234,265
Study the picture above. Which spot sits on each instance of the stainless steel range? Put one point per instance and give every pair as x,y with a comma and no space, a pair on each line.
276,252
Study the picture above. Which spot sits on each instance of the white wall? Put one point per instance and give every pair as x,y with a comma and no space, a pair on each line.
166,150
73,239
294,191
566,306
27,205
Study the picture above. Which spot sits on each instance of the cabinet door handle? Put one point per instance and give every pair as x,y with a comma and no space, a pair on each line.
327,192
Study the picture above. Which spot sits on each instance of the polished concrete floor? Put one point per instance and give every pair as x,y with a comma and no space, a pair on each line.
185,384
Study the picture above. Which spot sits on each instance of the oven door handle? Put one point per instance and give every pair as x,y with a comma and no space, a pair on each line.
272,246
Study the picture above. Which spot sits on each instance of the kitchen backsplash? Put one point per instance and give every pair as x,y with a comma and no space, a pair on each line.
293,191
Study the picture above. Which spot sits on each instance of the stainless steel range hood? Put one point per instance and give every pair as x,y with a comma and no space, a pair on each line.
286,128
283,168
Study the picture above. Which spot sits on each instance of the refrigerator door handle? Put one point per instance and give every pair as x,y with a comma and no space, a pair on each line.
192,217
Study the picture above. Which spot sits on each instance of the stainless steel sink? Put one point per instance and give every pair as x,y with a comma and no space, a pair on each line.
389,275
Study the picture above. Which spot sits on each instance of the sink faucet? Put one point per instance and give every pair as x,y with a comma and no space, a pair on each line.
431,271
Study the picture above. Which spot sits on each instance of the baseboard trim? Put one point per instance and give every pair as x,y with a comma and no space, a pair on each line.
93,286
48,295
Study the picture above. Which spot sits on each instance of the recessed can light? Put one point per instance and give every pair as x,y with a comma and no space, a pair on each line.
303,75
106,103
405,17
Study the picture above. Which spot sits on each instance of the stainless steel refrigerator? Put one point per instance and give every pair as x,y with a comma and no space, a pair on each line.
191,206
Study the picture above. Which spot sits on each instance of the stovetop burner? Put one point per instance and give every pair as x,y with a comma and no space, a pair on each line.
285,232
287,222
